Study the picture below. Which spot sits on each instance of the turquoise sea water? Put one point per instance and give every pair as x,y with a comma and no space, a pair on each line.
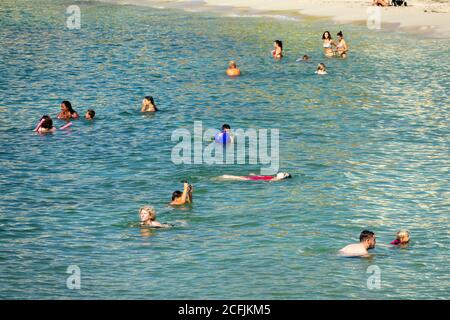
367,145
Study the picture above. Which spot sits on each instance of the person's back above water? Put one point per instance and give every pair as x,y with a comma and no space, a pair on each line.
367,241
180,198
233,70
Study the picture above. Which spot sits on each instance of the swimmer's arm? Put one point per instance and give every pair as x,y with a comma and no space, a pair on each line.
185,193
189,198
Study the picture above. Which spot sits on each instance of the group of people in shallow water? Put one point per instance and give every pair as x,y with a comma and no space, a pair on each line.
67,113
331,48
147,214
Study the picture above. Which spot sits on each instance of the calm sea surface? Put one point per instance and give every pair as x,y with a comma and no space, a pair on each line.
367,145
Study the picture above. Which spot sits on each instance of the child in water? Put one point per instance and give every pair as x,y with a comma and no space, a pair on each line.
402,238
148,218
46,125
90,114
321,69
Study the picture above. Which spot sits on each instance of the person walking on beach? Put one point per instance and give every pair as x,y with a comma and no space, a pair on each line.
367,241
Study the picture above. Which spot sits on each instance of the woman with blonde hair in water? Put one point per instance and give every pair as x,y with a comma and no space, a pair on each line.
147,216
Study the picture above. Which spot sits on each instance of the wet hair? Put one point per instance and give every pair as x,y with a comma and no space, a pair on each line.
226,126
151,212
321,66
68,106
48,122
232,64
340,34
305,57
366,234
402,234
150,98
176,195
279,43
329,35
91,113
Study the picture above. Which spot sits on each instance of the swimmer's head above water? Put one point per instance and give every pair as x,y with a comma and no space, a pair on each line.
147,213
283,175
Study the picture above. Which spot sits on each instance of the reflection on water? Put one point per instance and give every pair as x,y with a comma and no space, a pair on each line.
367,146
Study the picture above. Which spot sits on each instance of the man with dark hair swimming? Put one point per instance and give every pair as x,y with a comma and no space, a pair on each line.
367,241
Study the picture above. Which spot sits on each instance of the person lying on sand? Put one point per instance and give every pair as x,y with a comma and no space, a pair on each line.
381,3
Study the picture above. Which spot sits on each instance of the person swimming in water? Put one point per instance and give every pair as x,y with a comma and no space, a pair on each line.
341,47
225,135
278,52
46,125
147,216
90,114
233,70
67,112
321,69
328,44
148,105
279,176
402,238
180,198
367,241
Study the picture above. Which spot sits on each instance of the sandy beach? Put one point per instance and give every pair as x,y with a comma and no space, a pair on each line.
425,16
428,17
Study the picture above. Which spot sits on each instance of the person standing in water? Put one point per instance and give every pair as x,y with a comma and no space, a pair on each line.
367,241
341,46
328,44
278,52
67,111
233,70
148,105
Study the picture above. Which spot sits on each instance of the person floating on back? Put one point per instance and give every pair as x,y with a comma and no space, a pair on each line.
67,112
402,238
90,114
148,218
341,46
148,105
224,136
233,70
180,198
367,241
279,176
